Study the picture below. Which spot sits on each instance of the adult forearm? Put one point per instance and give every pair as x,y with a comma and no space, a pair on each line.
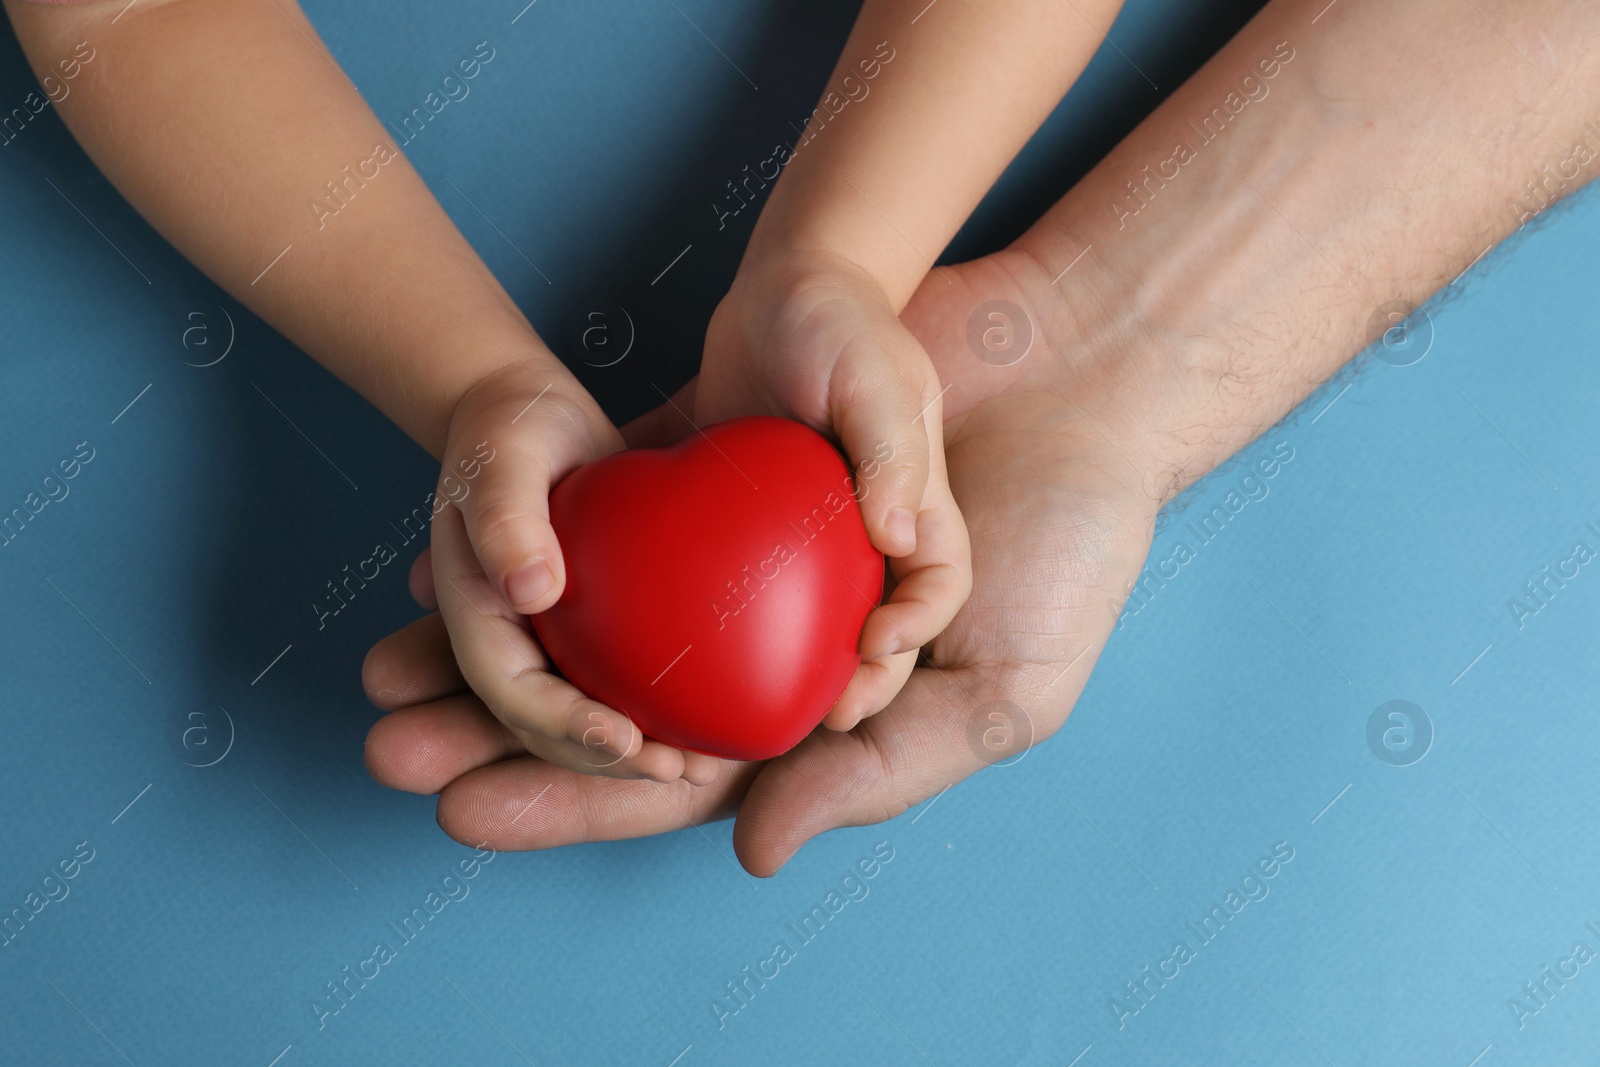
927,106
232,130
1287,203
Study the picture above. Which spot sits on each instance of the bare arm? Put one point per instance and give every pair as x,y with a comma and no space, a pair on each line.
1236,260
928,104
223,122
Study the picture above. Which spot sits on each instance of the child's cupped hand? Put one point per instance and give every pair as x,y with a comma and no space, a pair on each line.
813,337
495,561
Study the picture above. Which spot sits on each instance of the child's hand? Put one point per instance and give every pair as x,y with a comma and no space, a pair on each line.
495,561
814,338
910,132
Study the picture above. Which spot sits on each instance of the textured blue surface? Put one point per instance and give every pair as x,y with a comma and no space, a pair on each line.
1225,718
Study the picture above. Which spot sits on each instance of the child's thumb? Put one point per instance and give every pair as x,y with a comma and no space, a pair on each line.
882,431
501,477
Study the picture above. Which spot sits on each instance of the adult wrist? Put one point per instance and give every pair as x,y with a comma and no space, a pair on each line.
1274,216
1175,383
1198,316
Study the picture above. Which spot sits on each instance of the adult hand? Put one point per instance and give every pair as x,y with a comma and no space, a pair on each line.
1059,521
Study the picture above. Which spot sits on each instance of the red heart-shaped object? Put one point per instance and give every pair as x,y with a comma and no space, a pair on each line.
715,590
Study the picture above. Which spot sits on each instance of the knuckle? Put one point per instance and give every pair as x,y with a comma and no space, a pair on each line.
884,809
563,716
527,411
892,465
556,408
962,583
539,425
503,527
903,484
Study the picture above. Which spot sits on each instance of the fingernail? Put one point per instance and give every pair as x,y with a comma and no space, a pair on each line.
603,736
903,527
614,746
599,739
529,584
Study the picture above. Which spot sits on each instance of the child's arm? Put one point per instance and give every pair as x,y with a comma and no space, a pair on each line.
928,104
223,122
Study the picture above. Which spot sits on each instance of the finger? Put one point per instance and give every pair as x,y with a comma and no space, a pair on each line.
920,745
519,441
879,413
424,748
413,665
494,646
522,804
665,425
601,747
420,580
932,582
870,690
701,769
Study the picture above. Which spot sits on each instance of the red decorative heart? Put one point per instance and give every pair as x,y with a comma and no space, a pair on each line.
716,590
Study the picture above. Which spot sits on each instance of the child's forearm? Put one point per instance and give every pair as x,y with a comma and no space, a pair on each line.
928,104
223,123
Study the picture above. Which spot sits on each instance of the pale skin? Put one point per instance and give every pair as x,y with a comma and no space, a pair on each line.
1374,171
220,120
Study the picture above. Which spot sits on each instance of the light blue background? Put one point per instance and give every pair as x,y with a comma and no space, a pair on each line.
1019,903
